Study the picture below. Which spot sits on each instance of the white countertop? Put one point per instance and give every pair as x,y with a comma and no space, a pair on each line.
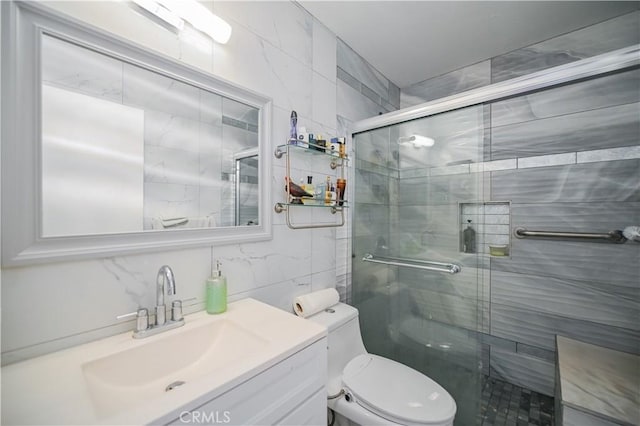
52,389
598,380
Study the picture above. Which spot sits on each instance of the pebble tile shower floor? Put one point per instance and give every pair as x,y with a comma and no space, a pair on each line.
504,404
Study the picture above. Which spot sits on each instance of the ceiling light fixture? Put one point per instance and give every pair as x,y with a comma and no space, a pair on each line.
418,141
176,12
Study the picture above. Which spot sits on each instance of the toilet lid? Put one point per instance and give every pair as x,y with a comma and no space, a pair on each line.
397,392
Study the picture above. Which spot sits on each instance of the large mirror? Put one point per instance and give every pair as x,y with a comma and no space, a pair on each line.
123,150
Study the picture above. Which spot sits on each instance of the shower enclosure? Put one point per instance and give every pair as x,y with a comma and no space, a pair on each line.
436,203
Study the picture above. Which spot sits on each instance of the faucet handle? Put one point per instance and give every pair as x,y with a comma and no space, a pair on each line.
142,318
142,322
176,310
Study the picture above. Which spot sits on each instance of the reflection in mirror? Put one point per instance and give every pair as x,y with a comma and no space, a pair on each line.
246,207
126,149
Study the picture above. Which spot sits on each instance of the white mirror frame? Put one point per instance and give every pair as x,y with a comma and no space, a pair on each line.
22,241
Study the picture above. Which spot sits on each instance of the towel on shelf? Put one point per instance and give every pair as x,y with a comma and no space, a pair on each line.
183,222
632,233
174,221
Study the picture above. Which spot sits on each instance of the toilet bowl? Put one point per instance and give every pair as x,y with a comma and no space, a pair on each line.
373,390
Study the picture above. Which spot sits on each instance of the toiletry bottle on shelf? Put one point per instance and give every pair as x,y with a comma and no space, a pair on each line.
334,195
310,189
319,193
321,143
469,239
293,132
335,147
216,292
327,192
341,186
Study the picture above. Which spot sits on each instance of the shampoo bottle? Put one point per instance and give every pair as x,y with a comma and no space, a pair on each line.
216,292
310,189
293,131
469,239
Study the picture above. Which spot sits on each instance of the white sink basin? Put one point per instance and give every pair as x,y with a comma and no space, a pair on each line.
124,379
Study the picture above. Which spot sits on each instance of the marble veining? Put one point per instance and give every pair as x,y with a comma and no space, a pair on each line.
604,37
170,131
610,90
464,284
610,154
355,65
573,260
605,181
74,68
594,129
582,300
535,351
523,370
458,81
547,160
290,29
599,380
578,217
539,329
354,106
152,91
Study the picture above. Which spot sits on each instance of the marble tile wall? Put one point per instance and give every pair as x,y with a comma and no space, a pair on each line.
277,49
362,92
568,160
594,40
458,81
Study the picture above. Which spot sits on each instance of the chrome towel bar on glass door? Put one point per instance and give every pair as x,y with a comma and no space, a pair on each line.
613,236
451,268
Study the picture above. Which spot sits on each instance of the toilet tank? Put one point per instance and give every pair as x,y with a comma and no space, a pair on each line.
344,340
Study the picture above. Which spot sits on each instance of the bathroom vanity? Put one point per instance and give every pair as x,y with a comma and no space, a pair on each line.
254,364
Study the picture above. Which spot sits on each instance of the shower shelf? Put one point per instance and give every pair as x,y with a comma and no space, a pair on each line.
336,161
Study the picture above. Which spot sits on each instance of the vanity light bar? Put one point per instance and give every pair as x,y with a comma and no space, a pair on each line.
176,12
200,17
161,12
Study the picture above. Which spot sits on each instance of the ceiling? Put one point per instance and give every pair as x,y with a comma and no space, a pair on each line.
410,41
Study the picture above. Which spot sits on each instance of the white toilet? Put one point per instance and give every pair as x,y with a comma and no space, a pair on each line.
374,390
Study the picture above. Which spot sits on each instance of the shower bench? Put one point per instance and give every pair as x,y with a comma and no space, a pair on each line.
596,386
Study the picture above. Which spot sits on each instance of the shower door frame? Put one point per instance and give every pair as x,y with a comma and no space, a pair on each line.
563,74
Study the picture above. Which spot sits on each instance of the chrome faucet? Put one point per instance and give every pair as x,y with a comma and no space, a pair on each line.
165,275
164,279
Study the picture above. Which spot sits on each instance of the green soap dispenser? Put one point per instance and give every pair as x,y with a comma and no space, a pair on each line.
216,292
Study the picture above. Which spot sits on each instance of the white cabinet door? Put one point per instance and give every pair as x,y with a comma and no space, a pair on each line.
271,396
312,412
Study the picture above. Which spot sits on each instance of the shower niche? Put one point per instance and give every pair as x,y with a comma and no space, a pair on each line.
484,228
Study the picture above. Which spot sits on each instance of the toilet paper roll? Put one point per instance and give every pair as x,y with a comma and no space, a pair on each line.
312,303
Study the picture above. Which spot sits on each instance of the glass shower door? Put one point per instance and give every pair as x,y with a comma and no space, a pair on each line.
415,190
